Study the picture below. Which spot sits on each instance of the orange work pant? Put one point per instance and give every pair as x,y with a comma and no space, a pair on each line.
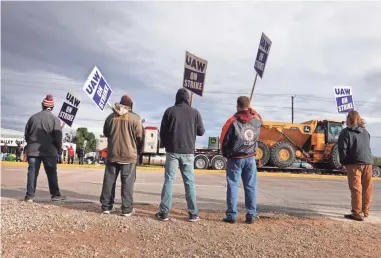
361,186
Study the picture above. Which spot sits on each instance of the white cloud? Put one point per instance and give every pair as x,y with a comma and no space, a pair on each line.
315,47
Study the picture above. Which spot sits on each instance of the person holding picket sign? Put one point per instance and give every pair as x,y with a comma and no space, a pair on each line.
123,129
179,127
239,138
43,135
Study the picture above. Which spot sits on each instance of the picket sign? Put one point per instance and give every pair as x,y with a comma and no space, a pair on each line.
344,99
194,74
69,109
97,89
261,59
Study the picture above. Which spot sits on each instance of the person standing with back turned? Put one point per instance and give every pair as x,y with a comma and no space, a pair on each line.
179,127
238,140
43,135
356,156
123,129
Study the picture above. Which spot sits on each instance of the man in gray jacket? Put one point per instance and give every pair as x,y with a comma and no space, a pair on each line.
43,135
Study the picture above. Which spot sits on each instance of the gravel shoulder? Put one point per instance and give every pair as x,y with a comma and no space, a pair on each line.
79,230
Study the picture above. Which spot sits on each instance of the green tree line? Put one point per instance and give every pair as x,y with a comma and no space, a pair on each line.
377,161
81,136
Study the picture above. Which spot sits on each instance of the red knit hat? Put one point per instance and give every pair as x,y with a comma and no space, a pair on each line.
126,101
48,101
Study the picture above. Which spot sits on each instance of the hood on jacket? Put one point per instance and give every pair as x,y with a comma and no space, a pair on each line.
182,96
357,129
121,109
244,116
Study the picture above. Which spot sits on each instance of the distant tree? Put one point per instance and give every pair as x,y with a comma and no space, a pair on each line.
84,137
377,161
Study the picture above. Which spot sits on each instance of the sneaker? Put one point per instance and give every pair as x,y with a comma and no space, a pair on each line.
354,217
227,220
127,214
58,198
193,217
161,216
28,199
106,212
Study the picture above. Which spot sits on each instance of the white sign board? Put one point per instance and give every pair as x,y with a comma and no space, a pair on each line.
97,88
12,142
194,73
344,99
69,109
262,55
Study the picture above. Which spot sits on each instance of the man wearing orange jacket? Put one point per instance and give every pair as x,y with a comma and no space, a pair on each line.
238,143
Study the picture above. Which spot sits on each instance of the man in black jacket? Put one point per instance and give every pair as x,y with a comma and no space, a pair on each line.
18,152
179,127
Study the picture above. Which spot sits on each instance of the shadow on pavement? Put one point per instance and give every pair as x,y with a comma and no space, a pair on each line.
91,204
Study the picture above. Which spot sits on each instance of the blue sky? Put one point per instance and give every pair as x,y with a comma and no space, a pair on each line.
51,47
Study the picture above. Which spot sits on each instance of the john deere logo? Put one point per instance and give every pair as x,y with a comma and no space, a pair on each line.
212,140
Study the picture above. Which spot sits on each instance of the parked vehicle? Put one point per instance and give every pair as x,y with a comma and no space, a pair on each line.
309,145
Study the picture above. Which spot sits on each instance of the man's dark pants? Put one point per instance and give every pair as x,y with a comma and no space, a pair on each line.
50,165
127,176
70,160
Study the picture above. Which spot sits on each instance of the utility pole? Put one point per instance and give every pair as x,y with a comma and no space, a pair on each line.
292,108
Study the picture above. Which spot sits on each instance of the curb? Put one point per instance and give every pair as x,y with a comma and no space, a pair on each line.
198,171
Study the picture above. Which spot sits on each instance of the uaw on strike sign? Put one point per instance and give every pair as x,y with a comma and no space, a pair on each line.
97,88
194,73
69,109
262,55
344,99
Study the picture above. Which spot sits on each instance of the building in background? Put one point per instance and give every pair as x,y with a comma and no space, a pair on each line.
9,140
12,138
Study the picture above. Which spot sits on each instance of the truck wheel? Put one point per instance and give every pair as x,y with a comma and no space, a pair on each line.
263,153
89,161
219,163
282,155
334,159
201,162
376,171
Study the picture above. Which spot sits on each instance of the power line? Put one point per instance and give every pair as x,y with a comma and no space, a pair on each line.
220,92
168,90
153,122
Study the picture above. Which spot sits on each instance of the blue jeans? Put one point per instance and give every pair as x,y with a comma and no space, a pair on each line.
247,169
50,165
186,163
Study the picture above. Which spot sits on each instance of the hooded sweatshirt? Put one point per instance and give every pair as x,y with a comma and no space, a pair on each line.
354,146
240,134
123,129
180,125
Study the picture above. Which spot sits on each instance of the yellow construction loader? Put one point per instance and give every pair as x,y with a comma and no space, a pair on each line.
313,141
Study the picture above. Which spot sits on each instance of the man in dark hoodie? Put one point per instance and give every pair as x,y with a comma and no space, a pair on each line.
43,135
179,127
123,129
356,156
238,143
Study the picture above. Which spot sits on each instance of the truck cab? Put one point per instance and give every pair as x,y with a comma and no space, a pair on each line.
324,143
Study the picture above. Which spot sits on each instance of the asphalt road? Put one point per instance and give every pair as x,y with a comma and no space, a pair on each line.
291,195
